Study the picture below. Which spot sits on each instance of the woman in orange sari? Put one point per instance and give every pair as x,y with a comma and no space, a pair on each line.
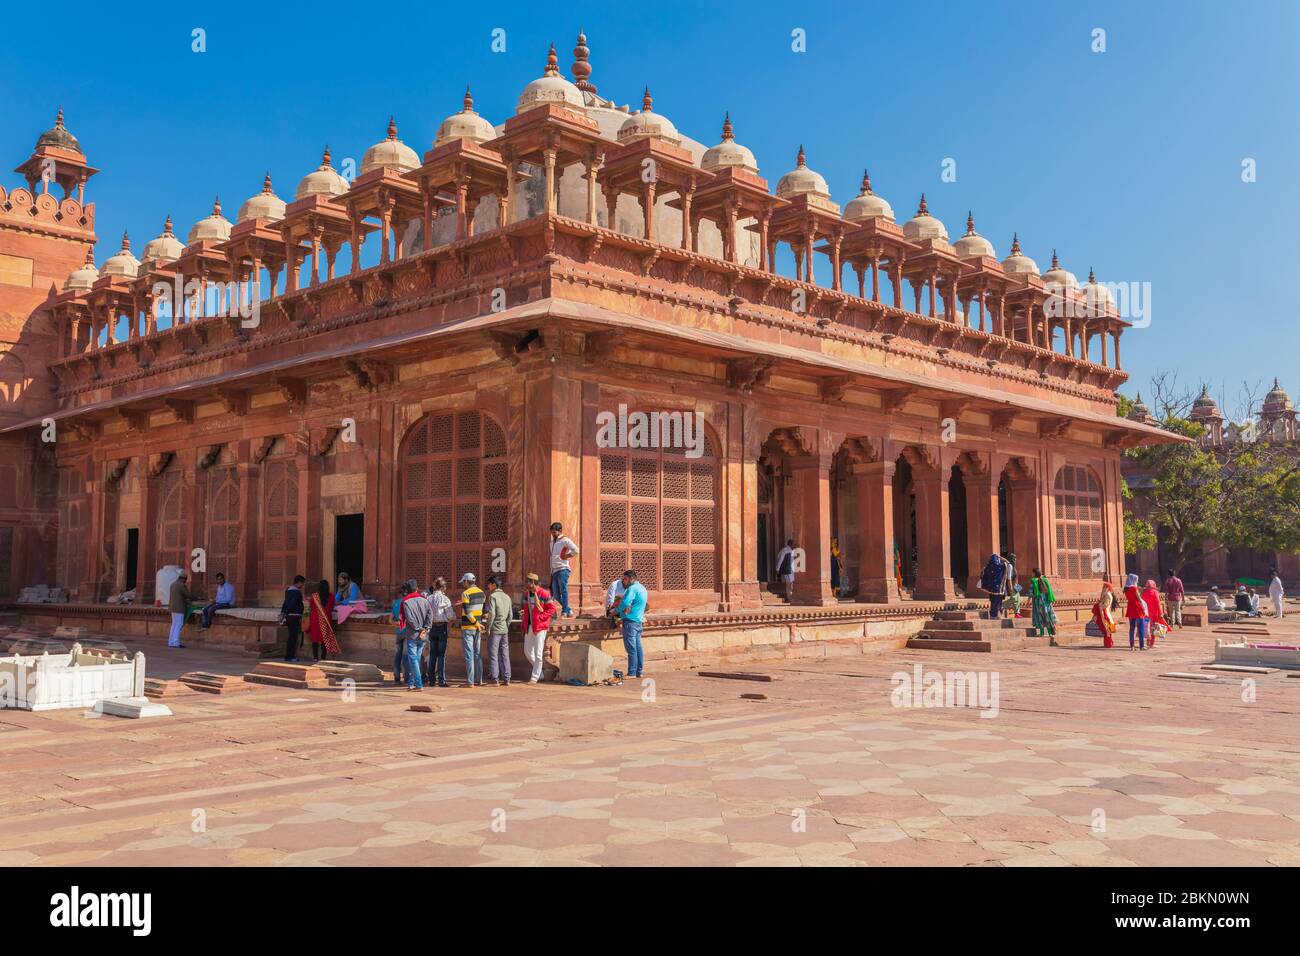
321,628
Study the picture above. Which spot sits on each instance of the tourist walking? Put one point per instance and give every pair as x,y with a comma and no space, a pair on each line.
632,611
415,619
535,615
1175,594
1103,612
837,567
562,549
1156,623
785,568
471,603
225,597
399,636
291,610
497,612
1044,601
1276,592
443,615
1135,610
320,623
178,602
993,580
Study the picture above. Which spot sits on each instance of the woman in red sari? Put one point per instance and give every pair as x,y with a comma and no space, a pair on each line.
1157,625
321,628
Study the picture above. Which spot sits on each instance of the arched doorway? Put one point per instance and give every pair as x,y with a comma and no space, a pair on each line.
957,529
905,553
454,514
173,517
280,519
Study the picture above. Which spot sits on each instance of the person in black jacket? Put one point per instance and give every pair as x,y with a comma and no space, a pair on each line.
291,617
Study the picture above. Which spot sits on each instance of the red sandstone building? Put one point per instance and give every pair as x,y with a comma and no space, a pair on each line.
431,413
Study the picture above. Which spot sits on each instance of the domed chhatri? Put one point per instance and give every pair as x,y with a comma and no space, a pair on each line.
390,153
58,136
264,205
322,181
972,245
728,154
465,125
1277,400
214,226
164,247
84,277
648,124
867,205
1139,412
1057,276
924,226
1205,406
1017,263
550,87
1096,295
122,263
802,181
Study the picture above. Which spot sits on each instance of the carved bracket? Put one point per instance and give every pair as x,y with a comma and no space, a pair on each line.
158,463
294,391
748,374
892,399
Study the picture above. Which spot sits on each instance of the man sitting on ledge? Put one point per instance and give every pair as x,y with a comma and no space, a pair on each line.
225,598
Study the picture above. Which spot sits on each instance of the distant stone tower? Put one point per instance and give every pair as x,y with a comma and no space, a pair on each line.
1277,417
1205,411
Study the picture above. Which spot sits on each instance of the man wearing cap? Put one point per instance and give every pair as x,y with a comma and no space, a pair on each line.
536,612
632,611
562,549
471,603
496,621
415,620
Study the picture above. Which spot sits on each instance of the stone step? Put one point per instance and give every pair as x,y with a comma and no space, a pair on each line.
280,674
928,643
214,683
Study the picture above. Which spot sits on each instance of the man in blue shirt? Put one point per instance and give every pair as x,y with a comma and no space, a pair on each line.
632,611
225,598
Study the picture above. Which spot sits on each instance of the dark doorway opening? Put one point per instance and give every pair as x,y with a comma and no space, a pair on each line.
132,556
957,556
349,545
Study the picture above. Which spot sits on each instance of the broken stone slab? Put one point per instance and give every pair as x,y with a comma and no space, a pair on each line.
1240,668
156,688
581,663
338,671
214,683
134,707
1183,675
736,675
281,674
424,708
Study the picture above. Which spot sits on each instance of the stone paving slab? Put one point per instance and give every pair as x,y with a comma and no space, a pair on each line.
1087,758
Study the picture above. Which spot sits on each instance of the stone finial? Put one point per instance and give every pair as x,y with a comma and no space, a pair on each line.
467,104
126,241
1015,244
266,183
216,205
167,226
923,209
728,134
1092,278
801,160
1056,263
970,223
646,102
552,63
582,65
392,127
866,184
58,119
90,250
325,158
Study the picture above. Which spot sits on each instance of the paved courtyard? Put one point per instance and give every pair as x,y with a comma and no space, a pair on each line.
1091,759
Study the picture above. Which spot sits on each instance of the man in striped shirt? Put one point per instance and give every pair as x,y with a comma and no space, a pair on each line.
471,603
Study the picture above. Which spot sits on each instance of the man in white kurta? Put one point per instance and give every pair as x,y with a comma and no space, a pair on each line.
1275,592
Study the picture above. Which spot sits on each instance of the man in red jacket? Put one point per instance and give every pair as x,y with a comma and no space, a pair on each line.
538,608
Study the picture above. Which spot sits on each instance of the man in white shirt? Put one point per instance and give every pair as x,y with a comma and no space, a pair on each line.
562,549
785,568
443,615
613,598
1275,592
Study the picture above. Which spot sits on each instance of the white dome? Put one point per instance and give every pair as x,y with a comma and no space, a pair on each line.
323,181
214,226
972,244
85,277
1017,263
550,87
122,263
923,226
728,154
867,205
802,181
466,125
390,153
1097,295
1058,276
163,248
264,205
648,123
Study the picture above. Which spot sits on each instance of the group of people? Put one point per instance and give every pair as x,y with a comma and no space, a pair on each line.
311,612
1143,610
1246,600
1000,581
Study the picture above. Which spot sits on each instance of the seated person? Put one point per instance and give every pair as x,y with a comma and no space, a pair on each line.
1254,603
1242,600
348,592
1213,602
225,598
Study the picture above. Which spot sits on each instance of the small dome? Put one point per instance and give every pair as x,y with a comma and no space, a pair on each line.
164,248
58,135
648,124
84,277
972,244
264,205
923,226
1058,276
323,181
1139,412
550,87
1096,295
466,125
728,154
802,181
214,226
867,205
1017,263
390,153
1277,400
122,263
1205,407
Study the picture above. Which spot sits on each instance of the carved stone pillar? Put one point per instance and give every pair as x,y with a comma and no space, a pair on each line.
808,500
875,496
933,545
981,523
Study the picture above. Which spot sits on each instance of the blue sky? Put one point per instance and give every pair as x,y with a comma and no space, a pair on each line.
1129,161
